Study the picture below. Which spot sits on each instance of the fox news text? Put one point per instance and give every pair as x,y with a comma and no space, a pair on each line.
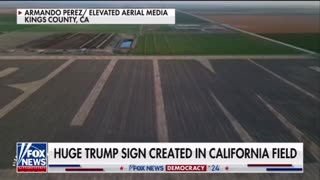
37,157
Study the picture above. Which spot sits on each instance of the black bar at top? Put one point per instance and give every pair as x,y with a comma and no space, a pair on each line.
148,0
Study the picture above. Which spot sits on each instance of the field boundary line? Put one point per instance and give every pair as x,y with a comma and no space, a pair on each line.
313,147
250,33
31,87
162,127
166,39
244,135
286,81
88,104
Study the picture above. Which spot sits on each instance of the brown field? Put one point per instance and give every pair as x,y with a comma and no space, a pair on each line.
270,23
70,41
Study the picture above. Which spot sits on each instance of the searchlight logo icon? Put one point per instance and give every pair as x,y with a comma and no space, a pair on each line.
31,157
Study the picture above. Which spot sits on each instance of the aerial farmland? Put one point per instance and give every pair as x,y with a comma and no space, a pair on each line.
301,29
216,75
209,38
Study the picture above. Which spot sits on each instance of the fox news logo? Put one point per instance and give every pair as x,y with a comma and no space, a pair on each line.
31,157
146,168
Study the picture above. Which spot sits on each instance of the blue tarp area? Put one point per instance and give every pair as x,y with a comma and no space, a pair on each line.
126,44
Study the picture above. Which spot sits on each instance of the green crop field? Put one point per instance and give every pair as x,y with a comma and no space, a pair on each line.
206,44
310,41
8,23
182,18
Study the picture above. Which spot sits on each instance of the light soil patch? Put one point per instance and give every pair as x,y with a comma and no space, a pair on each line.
316,68
31,87
308,143
14,39
286,81
270,23
88,104
8,71
245,136
161,115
